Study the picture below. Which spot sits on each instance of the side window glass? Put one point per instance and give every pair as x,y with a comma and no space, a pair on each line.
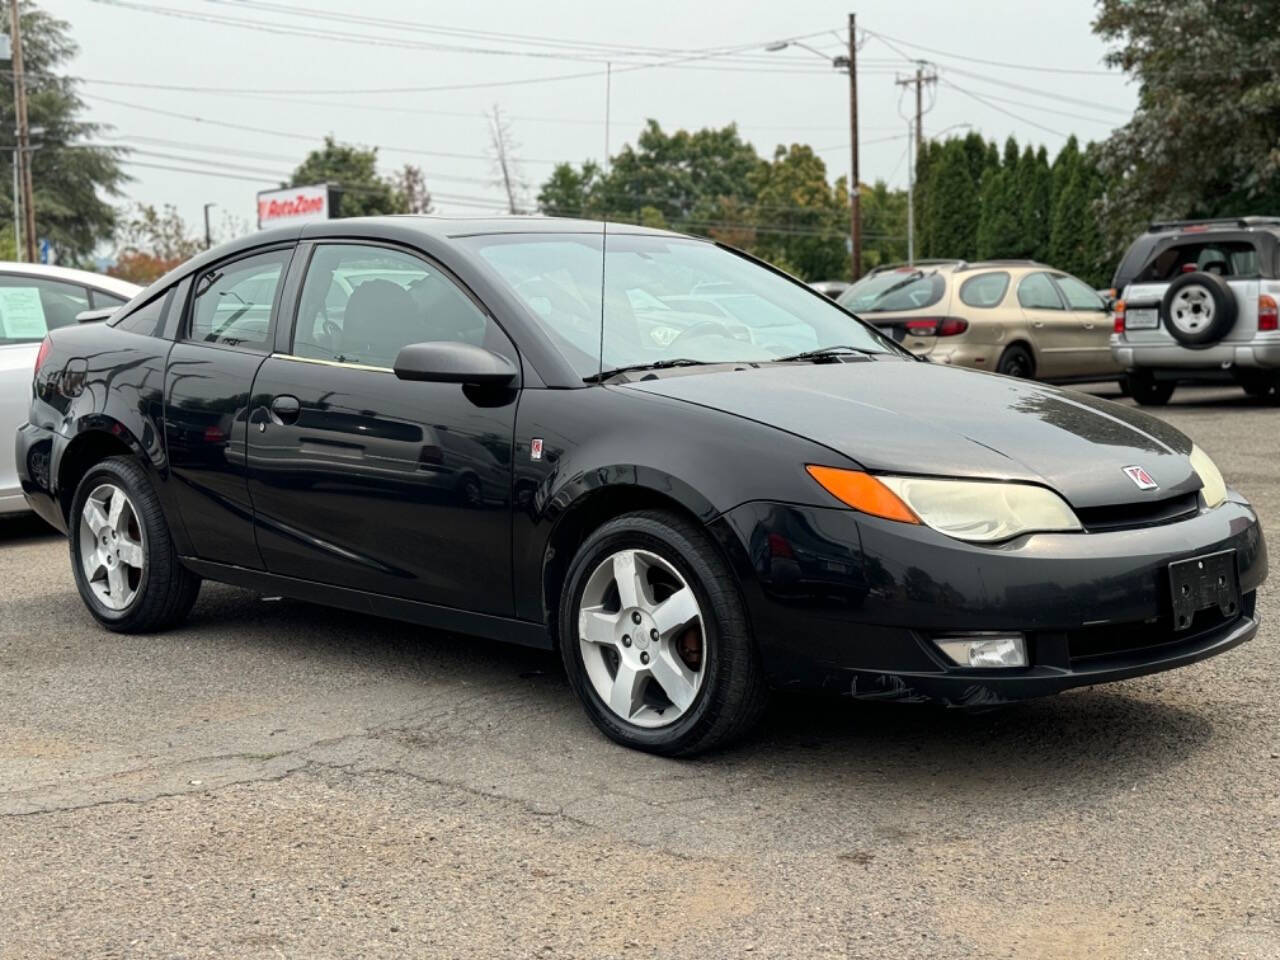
148,318
1079,295
362,304
1036,292
232,302
102,299
32,306
985,290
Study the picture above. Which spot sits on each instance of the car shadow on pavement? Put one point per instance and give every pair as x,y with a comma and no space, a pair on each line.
1090,741
24,528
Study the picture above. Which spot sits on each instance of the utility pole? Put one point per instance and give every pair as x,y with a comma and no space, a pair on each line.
920,80
23,131
855,201
208,233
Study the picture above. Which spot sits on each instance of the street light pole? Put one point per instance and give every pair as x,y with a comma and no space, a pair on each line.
849,64
855,200
23,167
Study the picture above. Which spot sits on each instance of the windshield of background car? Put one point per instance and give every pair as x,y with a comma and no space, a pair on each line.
906,288
1235,258
630,299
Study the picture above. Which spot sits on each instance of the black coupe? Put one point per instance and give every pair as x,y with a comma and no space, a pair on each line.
689,473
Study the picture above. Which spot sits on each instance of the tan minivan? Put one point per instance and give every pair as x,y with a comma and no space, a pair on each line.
1016,317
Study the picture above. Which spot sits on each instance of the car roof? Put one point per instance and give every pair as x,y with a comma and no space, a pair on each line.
99,281
481,226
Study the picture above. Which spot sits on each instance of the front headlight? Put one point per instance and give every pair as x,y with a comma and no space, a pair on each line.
1213,486
976,510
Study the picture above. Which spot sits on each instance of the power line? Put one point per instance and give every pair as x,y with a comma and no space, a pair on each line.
1048,95
994,63
999,109
310,138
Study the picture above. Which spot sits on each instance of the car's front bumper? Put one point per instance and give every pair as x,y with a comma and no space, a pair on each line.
852,603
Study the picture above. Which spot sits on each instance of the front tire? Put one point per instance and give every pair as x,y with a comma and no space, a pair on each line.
125,564
654,637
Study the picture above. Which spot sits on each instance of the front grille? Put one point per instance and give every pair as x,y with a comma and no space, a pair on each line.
1119,639
1147,513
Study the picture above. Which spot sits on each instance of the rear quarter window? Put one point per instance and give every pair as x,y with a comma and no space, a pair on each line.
986,290
149,318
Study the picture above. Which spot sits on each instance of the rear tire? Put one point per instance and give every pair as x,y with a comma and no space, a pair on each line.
123,558
709,705
1017,361
1148,391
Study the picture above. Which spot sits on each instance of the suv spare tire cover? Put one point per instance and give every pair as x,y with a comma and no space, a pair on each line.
1198,309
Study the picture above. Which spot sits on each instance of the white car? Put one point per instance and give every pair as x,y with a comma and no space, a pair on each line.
1198,302
35,299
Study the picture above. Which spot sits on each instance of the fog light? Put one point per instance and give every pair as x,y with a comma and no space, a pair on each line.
985,649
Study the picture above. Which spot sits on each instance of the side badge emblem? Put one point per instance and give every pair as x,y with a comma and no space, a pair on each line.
535,448
1141,479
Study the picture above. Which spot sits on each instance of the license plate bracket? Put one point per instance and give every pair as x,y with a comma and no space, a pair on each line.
1203,582
1142,318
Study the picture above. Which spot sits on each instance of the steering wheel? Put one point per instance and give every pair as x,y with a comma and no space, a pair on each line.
332,330
702,328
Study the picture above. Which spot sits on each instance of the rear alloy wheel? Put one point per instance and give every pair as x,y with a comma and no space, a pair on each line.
1016,361
125,564
1148,391
654,637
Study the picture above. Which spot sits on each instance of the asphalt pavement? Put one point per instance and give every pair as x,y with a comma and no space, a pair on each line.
280,780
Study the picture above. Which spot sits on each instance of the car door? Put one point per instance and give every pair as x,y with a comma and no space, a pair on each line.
1092,349
1054,331
225,334
363,480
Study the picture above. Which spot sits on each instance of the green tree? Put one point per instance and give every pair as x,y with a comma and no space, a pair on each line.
353,170
926,160
570,192
953,202
1033,184
72,182
1076,244
999,232
798,218
884,225
684,175
1203,139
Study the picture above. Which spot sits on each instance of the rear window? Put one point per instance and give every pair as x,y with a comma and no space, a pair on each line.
904,289
1229,258
32,306
984,290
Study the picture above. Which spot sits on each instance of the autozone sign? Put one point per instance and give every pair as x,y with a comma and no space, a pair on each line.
276,208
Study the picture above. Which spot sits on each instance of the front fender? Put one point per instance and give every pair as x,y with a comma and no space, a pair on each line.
636,449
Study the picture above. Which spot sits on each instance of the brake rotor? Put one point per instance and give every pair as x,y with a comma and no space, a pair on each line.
689,647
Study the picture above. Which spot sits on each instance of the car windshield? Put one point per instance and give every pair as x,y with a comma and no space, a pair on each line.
630,300
904,288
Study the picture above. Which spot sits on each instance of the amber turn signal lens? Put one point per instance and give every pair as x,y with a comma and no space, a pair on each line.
863,492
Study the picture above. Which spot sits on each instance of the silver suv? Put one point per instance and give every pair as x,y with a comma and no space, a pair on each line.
1198,302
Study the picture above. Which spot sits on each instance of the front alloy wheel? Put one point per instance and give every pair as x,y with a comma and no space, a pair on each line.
654,636
640,631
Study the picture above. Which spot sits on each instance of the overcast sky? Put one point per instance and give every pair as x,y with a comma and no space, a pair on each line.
780,97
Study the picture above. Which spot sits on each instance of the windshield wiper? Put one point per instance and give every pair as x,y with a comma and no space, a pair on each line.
826,353
655,365
905,282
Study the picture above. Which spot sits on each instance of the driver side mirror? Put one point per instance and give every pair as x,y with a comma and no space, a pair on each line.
447,361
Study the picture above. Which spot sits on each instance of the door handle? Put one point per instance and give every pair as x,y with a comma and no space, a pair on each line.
1088,325
1037,324
285,409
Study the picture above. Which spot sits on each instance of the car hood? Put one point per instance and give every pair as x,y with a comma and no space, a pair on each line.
918,418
